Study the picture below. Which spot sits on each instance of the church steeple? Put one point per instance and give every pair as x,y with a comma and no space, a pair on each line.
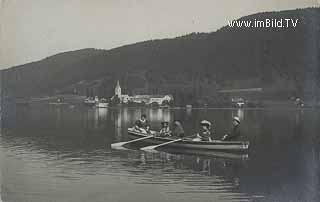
117,90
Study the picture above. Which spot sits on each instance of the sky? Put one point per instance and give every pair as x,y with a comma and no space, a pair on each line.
31,30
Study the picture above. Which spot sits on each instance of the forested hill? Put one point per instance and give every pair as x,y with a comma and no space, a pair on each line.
191,66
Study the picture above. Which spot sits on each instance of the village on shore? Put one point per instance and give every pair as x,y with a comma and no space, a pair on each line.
236,98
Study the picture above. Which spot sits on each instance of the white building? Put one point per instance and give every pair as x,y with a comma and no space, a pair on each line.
125,98
147,99
159,99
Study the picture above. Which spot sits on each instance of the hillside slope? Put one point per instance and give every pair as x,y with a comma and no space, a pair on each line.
191,66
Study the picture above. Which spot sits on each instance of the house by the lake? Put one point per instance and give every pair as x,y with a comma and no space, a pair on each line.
141,99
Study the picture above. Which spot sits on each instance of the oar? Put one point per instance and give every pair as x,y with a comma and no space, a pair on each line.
120,144
153,147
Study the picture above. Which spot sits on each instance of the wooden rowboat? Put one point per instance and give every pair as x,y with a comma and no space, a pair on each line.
188,143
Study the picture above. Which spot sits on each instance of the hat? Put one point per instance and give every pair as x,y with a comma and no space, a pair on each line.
205,123
236,119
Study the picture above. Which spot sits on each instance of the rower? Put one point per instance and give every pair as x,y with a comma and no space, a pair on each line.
165,130
205,134
142,125
234,135
177,130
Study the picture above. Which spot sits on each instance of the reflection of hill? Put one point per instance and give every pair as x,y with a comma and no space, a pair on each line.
281,60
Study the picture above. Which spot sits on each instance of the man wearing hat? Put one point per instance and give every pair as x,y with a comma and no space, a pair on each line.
234,135
205,134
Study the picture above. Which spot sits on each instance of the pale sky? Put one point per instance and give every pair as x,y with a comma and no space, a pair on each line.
34,29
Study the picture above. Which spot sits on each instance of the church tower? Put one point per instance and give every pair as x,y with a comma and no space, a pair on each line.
117,90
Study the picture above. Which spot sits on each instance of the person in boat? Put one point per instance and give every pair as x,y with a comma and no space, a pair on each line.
165,130
205,134
234,135
177,129
142,125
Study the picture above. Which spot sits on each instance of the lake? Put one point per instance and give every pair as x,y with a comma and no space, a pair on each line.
63,154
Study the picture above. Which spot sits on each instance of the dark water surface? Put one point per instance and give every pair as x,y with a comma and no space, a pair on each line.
64,154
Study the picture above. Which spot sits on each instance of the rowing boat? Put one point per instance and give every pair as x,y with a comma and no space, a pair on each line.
188,143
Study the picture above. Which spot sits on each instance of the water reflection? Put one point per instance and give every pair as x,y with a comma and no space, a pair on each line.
102,113
189,111
240,114
45,150
117,125
205,175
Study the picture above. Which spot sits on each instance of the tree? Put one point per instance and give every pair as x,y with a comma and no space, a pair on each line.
115,100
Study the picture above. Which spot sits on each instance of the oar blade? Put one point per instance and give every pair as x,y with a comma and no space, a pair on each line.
120,148
118,145
149,148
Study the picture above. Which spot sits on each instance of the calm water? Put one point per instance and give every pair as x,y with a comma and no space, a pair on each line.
63,154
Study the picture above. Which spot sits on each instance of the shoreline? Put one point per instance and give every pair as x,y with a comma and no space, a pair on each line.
78,100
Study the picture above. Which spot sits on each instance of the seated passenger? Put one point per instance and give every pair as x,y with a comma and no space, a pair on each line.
142,125
205,134
165,130
234,135
177,130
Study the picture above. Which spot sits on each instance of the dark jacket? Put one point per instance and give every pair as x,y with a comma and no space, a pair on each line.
234,134
178,131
